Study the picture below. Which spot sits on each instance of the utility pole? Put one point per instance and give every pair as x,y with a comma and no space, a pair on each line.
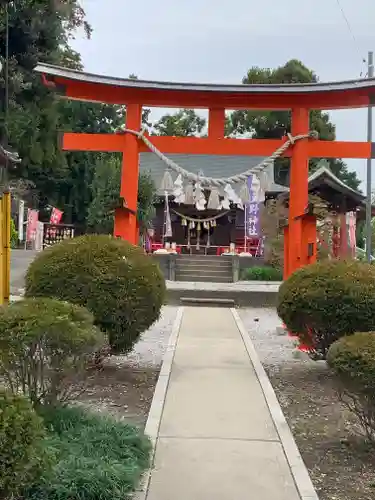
369,166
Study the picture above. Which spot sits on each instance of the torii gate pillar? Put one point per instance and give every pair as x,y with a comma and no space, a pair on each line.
126,215
300,236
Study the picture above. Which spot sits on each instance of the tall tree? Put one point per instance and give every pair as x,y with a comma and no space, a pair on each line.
105,196
39,30
274,124
75,190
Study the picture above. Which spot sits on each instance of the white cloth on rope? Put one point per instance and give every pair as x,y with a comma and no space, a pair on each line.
200,199
178,191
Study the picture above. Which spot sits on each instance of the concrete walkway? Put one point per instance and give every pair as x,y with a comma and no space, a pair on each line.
218,430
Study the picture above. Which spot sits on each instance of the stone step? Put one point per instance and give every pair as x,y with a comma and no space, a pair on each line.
213,278
250,298
196,270
219,258
203,264
207,302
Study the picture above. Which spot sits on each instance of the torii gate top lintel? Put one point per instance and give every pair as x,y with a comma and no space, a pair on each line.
300,236
86,86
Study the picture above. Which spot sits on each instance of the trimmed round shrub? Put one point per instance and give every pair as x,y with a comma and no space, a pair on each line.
23,456
116,281
325,301
45,347
352,359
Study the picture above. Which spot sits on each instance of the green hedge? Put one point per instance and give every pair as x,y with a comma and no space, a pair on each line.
23,456
115,280
352,359
45,346
259,273
327,300
97,457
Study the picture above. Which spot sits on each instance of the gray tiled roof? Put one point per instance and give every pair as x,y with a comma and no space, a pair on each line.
210,165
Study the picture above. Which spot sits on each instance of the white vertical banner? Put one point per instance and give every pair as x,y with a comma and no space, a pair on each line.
21,218
39,236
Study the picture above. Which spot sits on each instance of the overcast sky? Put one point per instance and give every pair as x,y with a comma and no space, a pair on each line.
218,40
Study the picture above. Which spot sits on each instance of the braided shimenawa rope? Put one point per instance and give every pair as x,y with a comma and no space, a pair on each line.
221,181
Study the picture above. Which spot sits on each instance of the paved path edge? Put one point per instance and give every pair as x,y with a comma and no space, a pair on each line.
158,401
297,466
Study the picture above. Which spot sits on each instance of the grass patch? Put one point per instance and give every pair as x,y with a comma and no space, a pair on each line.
261,273
97,458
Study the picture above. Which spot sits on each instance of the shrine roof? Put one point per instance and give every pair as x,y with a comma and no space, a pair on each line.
209,165
88,86
324,174
332,189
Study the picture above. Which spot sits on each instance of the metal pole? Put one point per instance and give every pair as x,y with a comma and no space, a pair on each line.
369,166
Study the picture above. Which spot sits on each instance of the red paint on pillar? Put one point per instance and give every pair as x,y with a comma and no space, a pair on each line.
125,221
298,199
344,247
216,123
286,253
309,240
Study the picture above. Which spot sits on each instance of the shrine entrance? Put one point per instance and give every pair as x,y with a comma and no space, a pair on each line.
300,235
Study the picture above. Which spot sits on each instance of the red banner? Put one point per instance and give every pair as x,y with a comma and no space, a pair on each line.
32,223
56,216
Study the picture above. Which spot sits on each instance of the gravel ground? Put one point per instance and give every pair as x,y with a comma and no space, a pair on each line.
274,349
341,465
150,349
125,386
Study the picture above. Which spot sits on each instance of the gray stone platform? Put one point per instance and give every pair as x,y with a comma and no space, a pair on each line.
217,427
243,293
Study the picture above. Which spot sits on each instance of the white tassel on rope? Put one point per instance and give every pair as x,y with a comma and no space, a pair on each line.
244,193
232,196
178,191
189,194
167,182
214,199
200,200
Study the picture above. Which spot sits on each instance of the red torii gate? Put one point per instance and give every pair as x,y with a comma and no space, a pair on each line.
300,236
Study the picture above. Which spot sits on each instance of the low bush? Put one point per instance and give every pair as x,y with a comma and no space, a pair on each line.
115,280
325,301
23,456
266,273
13,235
45,345
97,458
353,361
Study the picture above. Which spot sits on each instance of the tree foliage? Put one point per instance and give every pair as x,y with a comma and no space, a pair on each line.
274,124
105,195
40,30
184,123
